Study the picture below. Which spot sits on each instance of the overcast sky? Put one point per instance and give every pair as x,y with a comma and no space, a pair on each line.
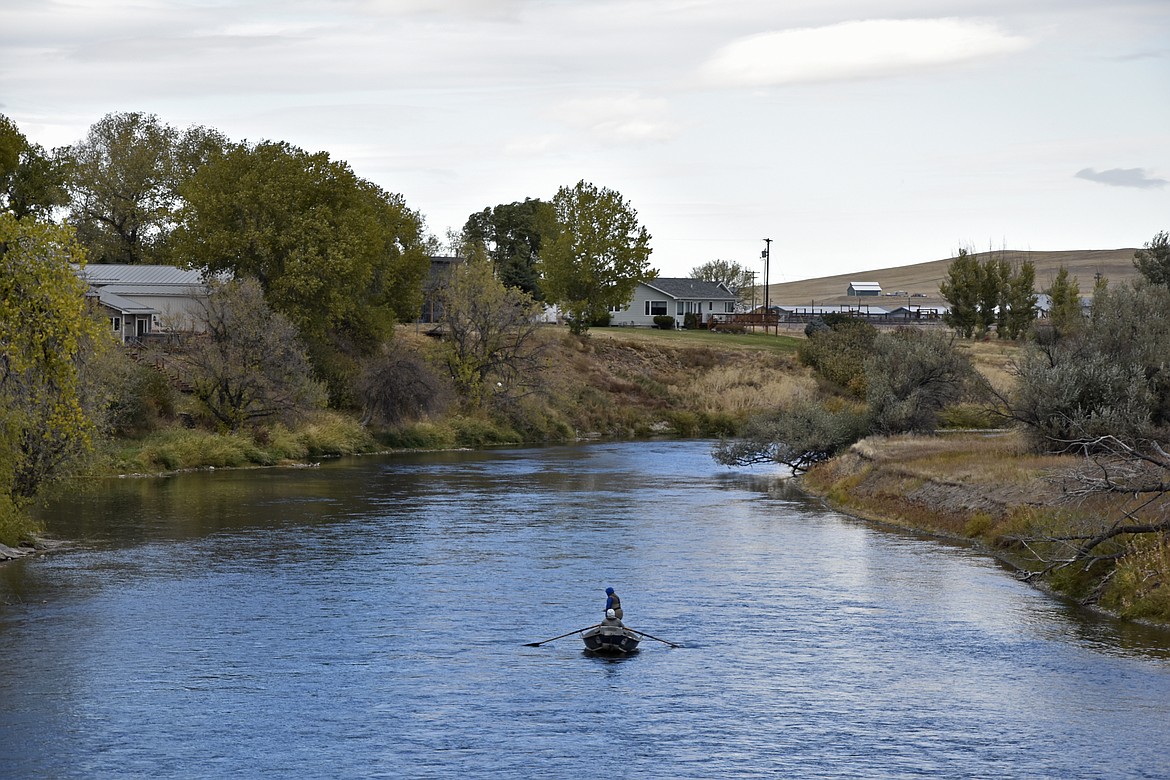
856,134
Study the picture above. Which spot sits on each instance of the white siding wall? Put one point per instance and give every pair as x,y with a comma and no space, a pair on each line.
636,313
176,312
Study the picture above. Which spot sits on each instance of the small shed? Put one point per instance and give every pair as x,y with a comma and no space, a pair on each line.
864,288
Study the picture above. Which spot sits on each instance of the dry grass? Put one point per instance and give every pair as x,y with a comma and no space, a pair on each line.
994,460
746,388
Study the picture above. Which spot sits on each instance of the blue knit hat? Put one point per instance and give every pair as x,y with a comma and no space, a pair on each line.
609,591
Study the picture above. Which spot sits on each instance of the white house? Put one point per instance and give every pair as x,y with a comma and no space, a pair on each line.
143,299
675,298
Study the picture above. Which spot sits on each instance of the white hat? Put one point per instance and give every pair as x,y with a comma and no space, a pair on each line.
609,613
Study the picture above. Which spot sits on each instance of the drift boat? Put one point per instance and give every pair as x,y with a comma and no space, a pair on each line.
610,640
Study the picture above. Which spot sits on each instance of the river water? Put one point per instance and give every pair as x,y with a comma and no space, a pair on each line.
367,618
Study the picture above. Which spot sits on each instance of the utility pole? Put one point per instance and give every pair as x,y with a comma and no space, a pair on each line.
767,255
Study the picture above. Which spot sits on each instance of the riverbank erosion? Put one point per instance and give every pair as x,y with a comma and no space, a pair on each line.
990,489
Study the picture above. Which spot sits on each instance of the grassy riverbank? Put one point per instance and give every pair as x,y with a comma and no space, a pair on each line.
990,489
615,383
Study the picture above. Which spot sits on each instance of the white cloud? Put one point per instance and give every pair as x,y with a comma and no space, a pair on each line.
621,118
855,49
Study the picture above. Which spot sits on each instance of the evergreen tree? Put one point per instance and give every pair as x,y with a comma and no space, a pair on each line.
961,290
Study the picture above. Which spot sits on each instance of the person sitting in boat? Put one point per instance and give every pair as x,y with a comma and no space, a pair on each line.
612,619
613,602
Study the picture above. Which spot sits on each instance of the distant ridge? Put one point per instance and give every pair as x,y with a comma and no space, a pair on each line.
924,278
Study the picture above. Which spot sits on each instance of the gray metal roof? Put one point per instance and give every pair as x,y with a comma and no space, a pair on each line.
100,275
691,289
124,305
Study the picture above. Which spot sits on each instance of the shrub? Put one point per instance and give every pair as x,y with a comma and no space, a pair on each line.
397,385
479,432
800,435
664,322
15,525
691,321
911,376
838,354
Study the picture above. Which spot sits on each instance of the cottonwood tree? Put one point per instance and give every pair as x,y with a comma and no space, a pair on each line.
490,340
45,333
32,181
736,277
599,255
343,259
124,178
250,365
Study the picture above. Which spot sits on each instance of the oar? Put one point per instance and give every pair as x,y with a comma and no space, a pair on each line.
649,636
562,636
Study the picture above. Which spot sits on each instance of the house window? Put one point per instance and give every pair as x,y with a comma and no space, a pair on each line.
117,323
729,307
710,305
680,308
656,308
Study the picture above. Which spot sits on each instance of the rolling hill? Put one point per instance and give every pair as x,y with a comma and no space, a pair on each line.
923,278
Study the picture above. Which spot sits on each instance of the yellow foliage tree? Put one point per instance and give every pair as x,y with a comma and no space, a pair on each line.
44,331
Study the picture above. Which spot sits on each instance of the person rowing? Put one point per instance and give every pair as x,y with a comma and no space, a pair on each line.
613,602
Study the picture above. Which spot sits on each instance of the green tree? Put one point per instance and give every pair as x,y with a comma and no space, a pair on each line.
1018,301
736,277
1153,261
1065,314
45,332
961,289
32,182
490,342
599,255
124,181
340,257
992,280
512,235
250,365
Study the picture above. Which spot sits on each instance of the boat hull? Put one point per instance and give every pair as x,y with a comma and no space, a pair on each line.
610,640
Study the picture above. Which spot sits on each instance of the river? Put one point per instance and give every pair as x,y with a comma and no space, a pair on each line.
368,618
